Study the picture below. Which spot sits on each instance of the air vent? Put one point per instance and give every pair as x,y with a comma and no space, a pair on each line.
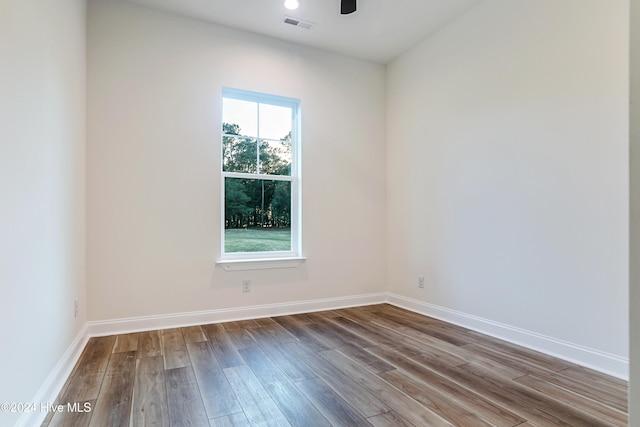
298,23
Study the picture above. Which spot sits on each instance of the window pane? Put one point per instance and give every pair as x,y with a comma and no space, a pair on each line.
239,154
257,215
275,157
241,114
275,121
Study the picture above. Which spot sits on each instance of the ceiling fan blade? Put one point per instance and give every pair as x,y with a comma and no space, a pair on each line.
347,6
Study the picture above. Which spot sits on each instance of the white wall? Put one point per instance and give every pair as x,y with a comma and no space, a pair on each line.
634,291
508,169
42,134
153,199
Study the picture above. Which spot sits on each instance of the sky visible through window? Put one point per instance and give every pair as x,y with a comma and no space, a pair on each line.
275,121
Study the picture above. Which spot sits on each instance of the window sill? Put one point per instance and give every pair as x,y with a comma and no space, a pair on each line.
260,264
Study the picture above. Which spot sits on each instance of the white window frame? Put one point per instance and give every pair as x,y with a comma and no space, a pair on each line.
272,259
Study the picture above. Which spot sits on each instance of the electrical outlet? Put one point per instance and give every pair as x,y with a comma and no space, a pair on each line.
246,286
421,282
75,308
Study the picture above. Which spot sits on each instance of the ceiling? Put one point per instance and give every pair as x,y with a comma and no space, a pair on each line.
378,31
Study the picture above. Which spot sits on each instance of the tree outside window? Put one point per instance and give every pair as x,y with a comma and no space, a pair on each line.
260,175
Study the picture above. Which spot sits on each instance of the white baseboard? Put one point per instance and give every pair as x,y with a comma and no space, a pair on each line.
55,381
601,361
598,360
150,323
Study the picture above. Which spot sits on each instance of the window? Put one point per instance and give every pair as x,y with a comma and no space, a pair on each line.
260,176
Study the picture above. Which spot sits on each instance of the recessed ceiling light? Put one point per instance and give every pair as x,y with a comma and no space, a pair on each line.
291,4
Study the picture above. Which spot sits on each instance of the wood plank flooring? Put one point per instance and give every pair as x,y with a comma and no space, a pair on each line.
368,366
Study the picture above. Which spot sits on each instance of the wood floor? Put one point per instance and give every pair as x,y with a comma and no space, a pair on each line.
377,365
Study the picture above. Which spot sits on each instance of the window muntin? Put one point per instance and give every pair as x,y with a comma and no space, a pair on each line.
260,171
